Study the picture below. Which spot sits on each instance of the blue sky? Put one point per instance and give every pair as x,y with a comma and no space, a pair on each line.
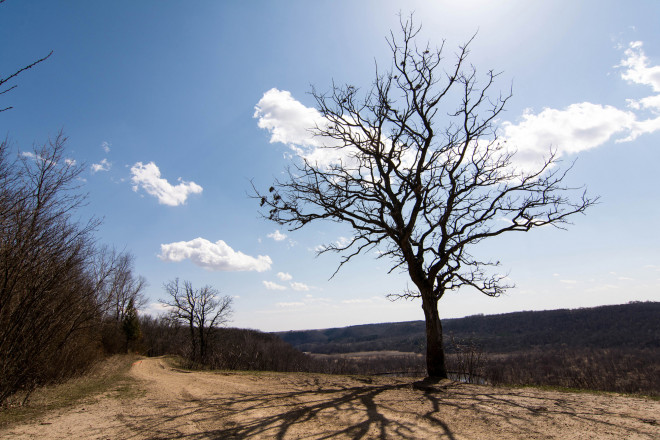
175,107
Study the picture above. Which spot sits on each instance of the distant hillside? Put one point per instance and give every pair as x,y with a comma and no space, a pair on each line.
632,325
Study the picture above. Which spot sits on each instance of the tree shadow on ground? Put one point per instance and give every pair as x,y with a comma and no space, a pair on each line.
365,409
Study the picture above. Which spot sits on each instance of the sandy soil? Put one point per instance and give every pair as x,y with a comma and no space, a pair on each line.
178,404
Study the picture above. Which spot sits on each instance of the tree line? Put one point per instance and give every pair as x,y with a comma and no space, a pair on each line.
637,327
64,300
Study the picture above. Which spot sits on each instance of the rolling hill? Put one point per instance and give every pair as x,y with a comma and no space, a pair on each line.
632,325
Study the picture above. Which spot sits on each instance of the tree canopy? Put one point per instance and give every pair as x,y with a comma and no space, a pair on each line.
418,172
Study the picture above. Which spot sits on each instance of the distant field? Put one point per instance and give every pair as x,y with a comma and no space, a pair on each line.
369,354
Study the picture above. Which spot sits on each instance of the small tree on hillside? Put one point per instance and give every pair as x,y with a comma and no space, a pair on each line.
131,325
117,287
201,310
423,194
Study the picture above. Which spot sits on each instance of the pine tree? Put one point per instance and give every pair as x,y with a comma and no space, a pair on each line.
131,325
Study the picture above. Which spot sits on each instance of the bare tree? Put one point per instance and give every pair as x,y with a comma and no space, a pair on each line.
421,194
48,304
15,74
201,309
118,286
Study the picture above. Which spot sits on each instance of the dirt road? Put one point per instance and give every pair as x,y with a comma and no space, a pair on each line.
177,404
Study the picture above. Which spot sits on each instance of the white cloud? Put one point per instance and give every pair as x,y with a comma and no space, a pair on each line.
340,243
583,126
38,158
637,68
35,157
288,121
601,288
357,301
568,281
292,123
277,235
105,146
148,177
290,304
577,127
650,102
638,71
301,287
155,308
343,241
273,286
311,300
216,256
284,276
104,165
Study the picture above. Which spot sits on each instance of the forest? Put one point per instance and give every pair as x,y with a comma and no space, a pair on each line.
608,348
633,326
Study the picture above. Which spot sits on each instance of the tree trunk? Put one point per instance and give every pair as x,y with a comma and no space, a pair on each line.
202,344
193,341
435,352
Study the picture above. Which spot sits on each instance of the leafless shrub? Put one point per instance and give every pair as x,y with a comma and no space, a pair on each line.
617,370
371,363
465,361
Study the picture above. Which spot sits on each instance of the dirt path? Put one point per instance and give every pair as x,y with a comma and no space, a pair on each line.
177,404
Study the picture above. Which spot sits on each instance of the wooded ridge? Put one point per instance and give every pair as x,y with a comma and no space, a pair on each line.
632,325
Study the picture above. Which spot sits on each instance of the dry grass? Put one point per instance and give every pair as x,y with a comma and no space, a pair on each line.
108,378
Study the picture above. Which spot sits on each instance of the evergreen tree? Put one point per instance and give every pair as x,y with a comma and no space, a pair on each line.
131,325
